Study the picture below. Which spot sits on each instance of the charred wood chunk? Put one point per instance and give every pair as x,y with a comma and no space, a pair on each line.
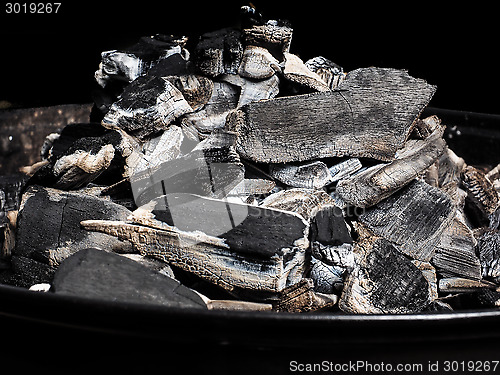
378,182
48,226
212,169
275,36
11,188
99,274
309,175
489,255
305,202
130,63
26,272
210,258
482,202
258,63
218,52
245,228
82,163
455,252
148,105
412,218
344,169
301,297
296,71
422,128
462,285
252,186
384,281
196,89
158,150
327,279
253,90
329,227
374,106
331,73
213,115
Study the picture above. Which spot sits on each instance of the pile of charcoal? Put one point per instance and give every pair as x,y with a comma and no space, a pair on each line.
234,175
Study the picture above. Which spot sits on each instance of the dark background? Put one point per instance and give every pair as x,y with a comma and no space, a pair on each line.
50,59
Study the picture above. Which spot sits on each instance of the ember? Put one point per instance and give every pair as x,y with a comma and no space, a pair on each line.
237,176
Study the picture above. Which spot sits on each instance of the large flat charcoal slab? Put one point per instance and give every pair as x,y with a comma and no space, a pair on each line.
369,115
413,219
245,228
256,276
385,281
99,274
48,226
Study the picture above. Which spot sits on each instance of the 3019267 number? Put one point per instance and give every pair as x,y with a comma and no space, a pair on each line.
33,8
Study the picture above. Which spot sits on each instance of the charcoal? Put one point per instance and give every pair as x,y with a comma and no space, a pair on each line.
211,169
218,52
489,254
301,297
223,99
310,175
146,106
128,64
99,274
48,225
455,253
240,177
380,181
482,201
253,90
359,106
296,71
331,73
386,281
413,219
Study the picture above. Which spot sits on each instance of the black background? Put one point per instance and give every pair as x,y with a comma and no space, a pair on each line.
51,58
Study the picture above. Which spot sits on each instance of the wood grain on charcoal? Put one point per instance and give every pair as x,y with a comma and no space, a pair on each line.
370,115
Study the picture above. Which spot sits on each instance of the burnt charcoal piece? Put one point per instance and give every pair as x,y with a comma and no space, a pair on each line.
413,219
489,254
48,226
309,175
211,169
253,90
344,169
223,99
128,64
376,105
305,202
83,162
327,278
455,253
10,193
380,181
482,198
245,228
329,227
26,272
384,281
301,297
296,71
99,274
462,285
257,63
218,52
146,106
273,35
331,73
258,275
